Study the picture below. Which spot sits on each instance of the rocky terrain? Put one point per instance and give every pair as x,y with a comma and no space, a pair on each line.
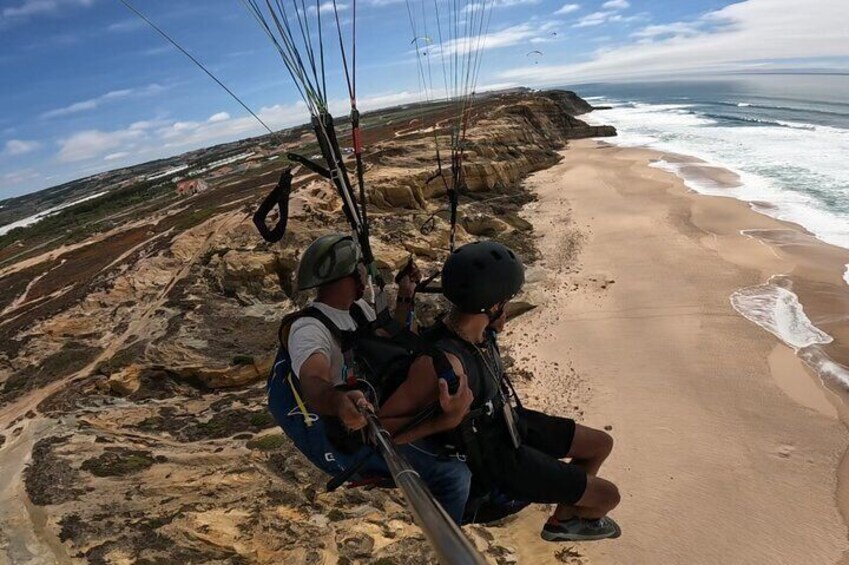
132,363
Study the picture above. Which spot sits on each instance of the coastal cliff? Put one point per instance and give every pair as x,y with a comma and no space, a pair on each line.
132,362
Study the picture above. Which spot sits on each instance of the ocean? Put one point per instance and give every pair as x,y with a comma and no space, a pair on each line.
785,136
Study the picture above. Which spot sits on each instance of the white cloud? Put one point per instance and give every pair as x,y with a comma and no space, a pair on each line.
21,176
219,117
90,104
615,5
634,18
674,29
16,147
30,8
724,40
159,50
146,124
159,138
594,19
512,35
124,26
93,103
328,8
93,143
476,6
510,3
567,9
608,13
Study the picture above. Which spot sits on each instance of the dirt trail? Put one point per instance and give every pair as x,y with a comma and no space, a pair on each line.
22,541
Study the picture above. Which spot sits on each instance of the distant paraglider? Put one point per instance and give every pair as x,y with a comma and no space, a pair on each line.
535,56
422,43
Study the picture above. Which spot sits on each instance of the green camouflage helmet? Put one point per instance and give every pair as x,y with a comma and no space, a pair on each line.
327,259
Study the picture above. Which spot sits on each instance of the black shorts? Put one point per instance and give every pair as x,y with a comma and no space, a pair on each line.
534,472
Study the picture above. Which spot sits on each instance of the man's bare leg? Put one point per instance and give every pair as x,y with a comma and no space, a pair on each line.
590,448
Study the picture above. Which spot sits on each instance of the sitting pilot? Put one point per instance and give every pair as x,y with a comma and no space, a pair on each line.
304,393
509,448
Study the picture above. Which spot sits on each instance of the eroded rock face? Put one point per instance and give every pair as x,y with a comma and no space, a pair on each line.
161,447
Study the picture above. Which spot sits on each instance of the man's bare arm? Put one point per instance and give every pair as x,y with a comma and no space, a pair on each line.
321,396
421,390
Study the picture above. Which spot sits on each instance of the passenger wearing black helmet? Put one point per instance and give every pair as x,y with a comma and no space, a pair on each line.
509,448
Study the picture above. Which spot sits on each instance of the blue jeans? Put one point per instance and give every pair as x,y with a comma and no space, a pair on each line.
448,479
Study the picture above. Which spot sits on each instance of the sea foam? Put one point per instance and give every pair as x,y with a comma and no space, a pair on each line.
796,167
828,370
778,311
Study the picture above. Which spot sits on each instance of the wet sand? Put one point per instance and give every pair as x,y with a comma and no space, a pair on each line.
729,448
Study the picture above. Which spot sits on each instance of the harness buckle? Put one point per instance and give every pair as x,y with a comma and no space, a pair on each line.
489,408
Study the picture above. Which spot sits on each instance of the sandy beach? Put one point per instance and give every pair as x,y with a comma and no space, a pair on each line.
729,448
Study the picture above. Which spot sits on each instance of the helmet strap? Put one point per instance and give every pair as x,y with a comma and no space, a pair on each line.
495,314
357,275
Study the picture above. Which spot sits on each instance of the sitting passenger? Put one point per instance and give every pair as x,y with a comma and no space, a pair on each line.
509,448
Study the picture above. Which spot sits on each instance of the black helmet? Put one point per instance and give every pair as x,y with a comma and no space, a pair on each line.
477,276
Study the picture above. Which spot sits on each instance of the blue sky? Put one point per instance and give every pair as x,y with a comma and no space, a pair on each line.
87,87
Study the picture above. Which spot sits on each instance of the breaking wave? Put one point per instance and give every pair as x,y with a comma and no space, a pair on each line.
797,168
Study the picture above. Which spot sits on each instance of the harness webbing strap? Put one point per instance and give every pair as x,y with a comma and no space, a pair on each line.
299,401
311,165
278,197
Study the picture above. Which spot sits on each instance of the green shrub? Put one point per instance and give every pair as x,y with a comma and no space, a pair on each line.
267,442
242,360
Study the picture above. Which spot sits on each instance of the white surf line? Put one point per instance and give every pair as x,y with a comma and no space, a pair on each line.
748,233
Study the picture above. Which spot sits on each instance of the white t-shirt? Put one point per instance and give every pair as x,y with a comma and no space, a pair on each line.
308,336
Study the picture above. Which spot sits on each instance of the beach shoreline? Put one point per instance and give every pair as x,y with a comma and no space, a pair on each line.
729,447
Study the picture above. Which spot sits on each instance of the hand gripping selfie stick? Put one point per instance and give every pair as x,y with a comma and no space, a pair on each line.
447,539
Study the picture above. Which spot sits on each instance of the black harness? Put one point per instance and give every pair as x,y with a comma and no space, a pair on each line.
377,358
484,430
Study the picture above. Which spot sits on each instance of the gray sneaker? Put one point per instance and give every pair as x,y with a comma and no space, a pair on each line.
581,529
